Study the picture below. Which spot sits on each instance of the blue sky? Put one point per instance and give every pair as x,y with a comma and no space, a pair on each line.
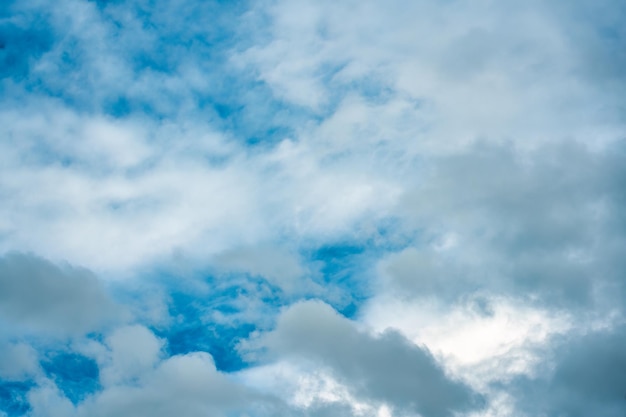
312,208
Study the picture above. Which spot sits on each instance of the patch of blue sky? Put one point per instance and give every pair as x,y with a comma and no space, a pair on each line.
245,302
77,376
152,40
218,340
194,328
247,110
344,266
207,312
118,107
21,45
252,118
169,44
347,265
13,397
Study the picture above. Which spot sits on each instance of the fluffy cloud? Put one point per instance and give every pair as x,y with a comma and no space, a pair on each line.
387,368
188,385
586,377
545,224
136,380
133,351
44,297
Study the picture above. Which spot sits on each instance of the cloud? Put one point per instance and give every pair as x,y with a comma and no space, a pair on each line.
449,173
155,182
38,295
129,375
19,362
278,266
545,224
137,382
134,350
490,71
480,338
386,368
186,384
586,377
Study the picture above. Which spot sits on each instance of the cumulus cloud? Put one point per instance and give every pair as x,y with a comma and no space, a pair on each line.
544,224
386,368
137,379
187,384
586,377
37,294
133,351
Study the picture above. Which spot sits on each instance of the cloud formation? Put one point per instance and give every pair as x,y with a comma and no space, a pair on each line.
386,368
38,295
312,208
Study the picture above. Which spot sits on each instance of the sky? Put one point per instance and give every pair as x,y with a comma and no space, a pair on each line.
312,208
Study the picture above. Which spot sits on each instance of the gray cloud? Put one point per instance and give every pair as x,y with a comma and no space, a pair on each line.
18,361
386,368
187,385
586,376
42,296
546,223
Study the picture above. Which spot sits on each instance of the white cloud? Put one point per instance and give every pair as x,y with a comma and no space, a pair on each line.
134,350
482,339
309,388
48,401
